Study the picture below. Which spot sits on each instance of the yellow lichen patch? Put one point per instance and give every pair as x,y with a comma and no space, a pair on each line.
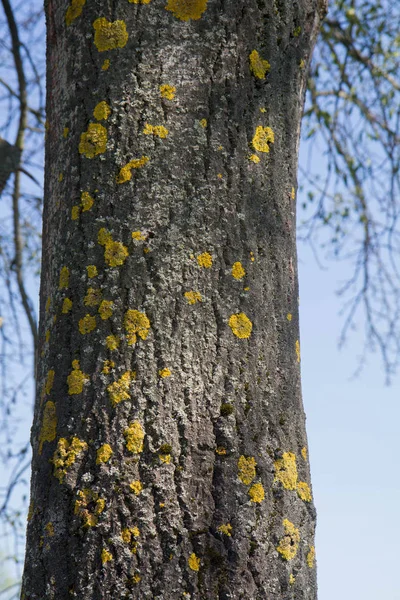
286,470
91,271
107,366
93,297
109,35
115,253
47,336
74,10
128,533
102,111
64,278
226,529
163,373
87,324
289,544
134,436
93,141
311,557
193,297
136,578
289,316
49,424
258,66
157,130
304,453
49,528
106,309
220,450
292,579
241,325
246,288
194,562
252,258
65,132
203,123
75,212
60,177
187,9
112,342
165,458
66,306
48,304
65,455
247,469
165,449
136,324
303,491
104,453
254,158
134,547
138,236
293,193
76,379
119,390
205,260
167,91
297,350
262,137
31,511
238,271
104,237
106,556
256,493
49,381
136,487
86,201
88,498
125,173
106,65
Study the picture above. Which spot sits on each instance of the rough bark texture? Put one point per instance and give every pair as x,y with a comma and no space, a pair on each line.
189,477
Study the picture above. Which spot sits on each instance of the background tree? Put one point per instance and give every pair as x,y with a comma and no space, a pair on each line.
169,447
22,123
354,110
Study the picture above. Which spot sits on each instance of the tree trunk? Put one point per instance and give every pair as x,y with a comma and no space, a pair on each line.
169,445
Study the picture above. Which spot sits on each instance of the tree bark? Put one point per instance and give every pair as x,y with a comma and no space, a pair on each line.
169,444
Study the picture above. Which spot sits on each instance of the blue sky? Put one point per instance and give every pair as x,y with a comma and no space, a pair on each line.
353,430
